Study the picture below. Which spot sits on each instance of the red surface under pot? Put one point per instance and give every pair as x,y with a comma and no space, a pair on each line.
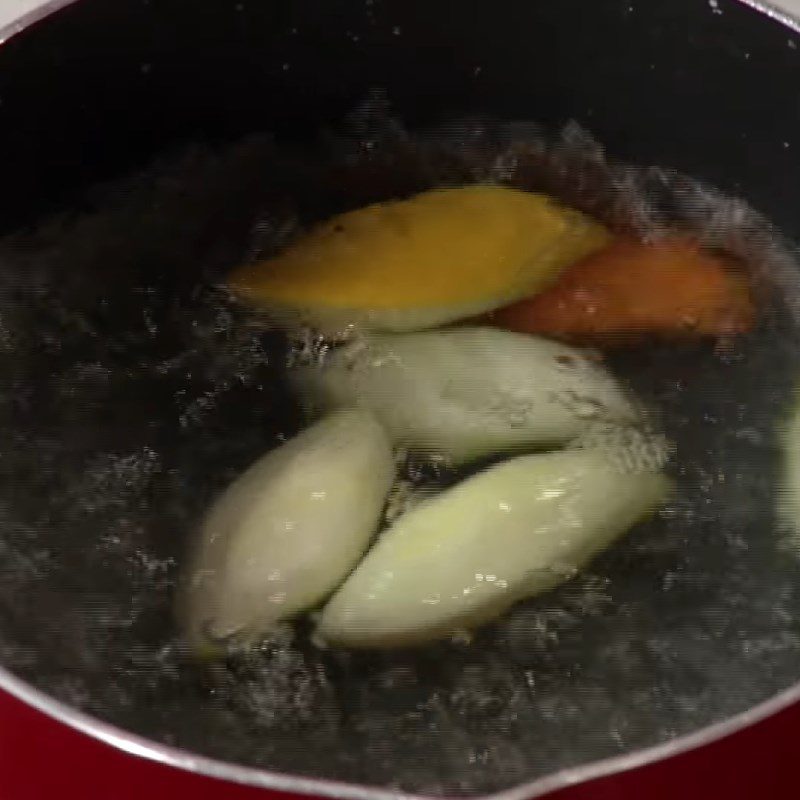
41,759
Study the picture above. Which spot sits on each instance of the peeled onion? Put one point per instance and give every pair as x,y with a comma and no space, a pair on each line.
789,486
442,255
288,530
465,556
467,392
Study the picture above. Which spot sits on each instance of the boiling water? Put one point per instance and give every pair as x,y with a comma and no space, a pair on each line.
134,391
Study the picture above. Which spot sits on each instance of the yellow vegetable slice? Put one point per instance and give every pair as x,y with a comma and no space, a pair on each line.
410,264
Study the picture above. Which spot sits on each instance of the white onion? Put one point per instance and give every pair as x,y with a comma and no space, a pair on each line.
288,531
788,495
465,556
466,392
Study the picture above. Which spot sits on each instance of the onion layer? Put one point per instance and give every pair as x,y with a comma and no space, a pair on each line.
467,392
287,531
464,557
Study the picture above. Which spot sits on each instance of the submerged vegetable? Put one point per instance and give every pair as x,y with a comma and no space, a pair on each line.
466,392
287,531
464,557
789,486
671,288
409,264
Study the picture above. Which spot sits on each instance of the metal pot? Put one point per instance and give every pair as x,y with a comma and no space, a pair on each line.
115,415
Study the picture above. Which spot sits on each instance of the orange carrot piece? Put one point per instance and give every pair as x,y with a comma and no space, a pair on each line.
672,288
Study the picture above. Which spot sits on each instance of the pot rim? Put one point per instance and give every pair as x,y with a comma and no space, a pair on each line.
32,15
262,778
265,779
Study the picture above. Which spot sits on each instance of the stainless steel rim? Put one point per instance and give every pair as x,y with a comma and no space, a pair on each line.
202,765
184,760
34,15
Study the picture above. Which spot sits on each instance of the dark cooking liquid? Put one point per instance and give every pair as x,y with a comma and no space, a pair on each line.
134,392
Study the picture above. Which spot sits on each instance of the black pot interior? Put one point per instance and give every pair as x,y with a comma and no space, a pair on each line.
132,393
